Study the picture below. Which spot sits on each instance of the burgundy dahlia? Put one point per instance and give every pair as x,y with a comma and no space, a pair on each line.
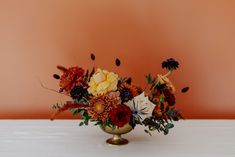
120,115
170,64
169,97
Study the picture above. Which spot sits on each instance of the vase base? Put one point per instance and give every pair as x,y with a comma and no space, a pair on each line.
117,141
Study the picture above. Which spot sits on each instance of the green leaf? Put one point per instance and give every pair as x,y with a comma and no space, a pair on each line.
86,116
149,78
162,99
169,125
55,106
81,123
75,100
76,111
145,130
98,123
86,122
166,131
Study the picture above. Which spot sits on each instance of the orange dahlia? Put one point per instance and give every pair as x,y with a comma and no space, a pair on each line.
127,91
101,105
70,78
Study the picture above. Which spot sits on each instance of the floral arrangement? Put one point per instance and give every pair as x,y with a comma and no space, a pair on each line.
107,99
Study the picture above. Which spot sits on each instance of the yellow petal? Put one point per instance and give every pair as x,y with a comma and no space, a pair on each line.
92,82
102,86
113,86
111,77
99,77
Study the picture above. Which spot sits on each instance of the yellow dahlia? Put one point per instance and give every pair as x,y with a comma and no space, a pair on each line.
102,82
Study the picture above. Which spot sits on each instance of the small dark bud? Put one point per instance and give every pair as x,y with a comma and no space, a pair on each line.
118,62
61,90
185,89
56,76
92,57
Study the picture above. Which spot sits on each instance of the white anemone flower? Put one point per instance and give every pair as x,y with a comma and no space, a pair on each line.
141,106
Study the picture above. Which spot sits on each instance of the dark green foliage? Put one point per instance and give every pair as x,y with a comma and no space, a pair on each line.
75,111
149,79
85,117
81,123
169,125
162,99
159,124
173,114
109,124
148,132
56,106
132,122
99,123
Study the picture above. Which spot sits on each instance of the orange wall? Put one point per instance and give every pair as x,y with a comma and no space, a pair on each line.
35,36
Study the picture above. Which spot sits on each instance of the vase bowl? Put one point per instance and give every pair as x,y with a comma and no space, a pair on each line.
117,132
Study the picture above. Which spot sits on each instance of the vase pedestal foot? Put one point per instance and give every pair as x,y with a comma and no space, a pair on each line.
117,140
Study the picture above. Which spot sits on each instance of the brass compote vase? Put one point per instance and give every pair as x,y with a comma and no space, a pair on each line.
117,132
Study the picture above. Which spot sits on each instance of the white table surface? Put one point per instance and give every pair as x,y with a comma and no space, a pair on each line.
64,138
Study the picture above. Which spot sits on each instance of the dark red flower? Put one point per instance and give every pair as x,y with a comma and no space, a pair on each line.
120,115
169,97
70,78
170,64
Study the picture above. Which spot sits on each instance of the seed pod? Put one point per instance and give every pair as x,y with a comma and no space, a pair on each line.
92,57
118,62
56,76
185,89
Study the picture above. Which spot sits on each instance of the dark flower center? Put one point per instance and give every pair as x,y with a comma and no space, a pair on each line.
120,115
78,92
135,112
126,95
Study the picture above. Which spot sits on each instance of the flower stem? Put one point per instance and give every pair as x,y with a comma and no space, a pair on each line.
167,74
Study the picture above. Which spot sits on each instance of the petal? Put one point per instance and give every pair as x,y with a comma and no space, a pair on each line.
130,104
92,82
111,77
92,90
99,77
113,86
102,86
